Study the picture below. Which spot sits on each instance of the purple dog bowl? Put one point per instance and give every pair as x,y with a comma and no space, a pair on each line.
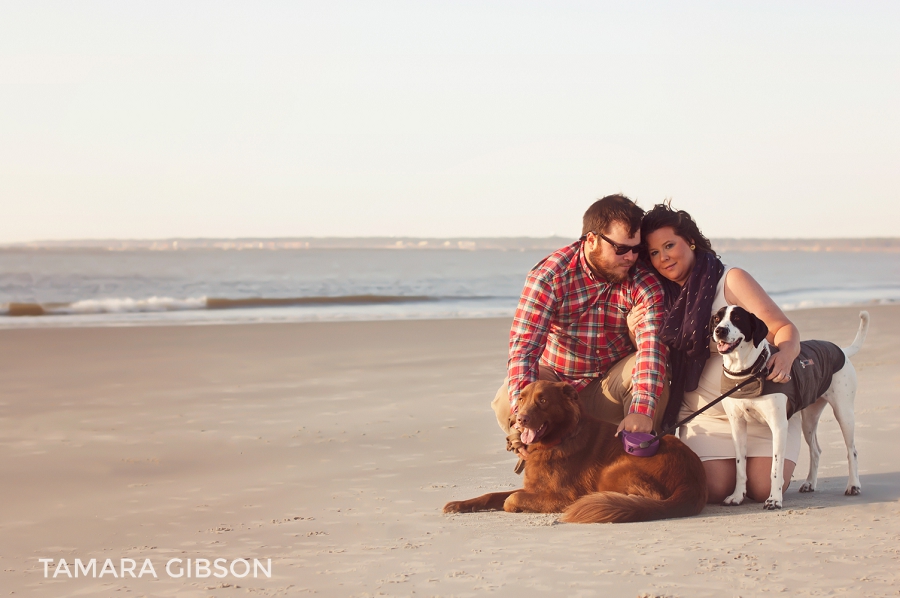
632,442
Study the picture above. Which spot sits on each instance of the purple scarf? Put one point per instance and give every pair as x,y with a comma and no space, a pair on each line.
685,329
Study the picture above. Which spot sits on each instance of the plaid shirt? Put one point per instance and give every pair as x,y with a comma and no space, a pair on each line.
574,323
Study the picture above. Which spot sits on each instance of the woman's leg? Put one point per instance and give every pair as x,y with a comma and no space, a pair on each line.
720,478
759,480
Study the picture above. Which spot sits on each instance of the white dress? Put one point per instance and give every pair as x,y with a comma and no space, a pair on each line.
709,434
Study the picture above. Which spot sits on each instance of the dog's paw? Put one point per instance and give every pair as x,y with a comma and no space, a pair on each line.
454,507
807,487
511,504
734,499
772,504
853,491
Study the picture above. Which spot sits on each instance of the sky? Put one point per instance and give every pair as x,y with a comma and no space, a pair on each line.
434,119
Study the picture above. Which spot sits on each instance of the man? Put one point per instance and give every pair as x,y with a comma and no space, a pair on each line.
571,325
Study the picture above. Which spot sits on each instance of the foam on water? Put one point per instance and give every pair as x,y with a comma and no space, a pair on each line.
425,310
128,305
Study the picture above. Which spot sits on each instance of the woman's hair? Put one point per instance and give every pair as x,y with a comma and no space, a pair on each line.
662,215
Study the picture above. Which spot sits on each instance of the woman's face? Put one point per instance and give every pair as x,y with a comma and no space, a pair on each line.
670,254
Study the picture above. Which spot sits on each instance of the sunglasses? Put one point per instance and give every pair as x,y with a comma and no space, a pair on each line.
619,249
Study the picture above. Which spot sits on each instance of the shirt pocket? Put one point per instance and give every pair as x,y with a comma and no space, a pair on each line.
615,322
614,313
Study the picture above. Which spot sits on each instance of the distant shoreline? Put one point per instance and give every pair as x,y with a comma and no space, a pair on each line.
891,244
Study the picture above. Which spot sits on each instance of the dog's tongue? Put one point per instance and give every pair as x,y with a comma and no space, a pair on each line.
722,346
527,436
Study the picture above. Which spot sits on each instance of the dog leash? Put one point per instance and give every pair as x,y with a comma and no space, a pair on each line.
673,427
520,466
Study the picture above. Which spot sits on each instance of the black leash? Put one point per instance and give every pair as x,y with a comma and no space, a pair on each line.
673,427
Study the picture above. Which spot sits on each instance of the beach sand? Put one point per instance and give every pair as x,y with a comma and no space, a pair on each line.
330,449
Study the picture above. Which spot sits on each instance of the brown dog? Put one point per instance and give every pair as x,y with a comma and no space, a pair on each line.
577,465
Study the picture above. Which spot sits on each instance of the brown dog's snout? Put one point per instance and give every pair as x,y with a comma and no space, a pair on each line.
522,419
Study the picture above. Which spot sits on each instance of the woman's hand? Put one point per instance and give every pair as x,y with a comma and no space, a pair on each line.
780,367
633,318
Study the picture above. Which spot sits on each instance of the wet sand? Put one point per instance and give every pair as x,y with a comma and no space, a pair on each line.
330,449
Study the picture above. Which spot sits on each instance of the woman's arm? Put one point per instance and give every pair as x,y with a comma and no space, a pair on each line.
741,289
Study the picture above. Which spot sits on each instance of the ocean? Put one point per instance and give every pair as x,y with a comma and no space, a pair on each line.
97,287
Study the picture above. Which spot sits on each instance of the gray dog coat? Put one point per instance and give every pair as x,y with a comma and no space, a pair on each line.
811,375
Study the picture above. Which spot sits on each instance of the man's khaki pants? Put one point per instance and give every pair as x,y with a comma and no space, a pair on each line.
607,398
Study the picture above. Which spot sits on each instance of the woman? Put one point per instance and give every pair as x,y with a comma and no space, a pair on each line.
698,284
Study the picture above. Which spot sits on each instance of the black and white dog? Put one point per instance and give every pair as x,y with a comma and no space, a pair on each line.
821,375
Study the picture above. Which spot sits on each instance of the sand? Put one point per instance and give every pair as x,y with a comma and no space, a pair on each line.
331,448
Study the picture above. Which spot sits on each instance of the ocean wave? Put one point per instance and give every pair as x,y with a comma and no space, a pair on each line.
214,303
836,297
344,306
866,288
166,304
105,306
814,304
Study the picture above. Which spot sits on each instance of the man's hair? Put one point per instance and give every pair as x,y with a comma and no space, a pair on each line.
612,208
662,215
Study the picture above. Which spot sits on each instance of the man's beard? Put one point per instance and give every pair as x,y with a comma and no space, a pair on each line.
610,272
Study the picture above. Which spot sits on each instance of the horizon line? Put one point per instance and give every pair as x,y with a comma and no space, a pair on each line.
393,243
39,242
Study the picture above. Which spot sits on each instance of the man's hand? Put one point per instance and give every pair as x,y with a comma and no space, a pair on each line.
636,422
514,444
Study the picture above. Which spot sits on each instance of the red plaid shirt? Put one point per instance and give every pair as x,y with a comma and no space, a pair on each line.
574,323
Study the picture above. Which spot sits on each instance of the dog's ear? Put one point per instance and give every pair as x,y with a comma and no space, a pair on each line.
758,329
568,392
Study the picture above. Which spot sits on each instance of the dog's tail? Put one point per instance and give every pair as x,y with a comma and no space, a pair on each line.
612,507
860,335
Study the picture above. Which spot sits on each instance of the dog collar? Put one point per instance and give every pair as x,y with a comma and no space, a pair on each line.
549,445
752,378
758,366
